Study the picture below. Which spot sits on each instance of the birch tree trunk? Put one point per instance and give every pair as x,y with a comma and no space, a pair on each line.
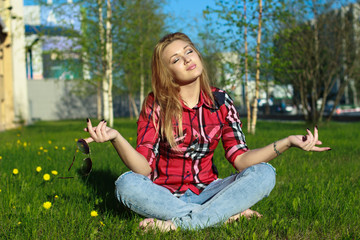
247,102
133,106
109,56
354,91
314,97
257,78
100,95
98,100
142,77
104,84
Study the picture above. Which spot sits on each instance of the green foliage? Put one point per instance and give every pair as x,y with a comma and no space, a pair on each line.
136,27
316,195
141,25
314,52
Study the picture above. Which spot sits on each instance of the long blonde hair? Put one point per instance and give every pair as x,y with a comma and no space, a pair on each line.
166,91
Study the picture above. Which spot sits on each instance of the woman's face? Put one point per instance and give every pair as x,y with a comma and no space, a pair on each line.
183,62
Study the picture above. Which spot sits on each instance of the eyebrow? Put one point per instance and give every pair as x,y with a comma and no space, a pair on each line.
177,54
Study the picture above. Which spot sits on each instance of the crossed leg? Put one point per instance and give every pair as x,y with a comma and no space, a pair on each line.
166,226
250,186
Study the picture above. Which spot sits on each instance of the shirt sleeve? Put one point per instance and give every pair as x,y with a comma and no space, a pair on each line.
233,138
147,134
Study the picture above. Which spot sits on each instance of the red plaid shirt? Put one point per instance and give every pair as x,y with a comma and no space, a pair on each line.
203,126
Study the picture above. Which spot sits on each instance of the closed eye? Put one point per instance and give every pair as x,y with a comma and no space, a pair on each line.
189,51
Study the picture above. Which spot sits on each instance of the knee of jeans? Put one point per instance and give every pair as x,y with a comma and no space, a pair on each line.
269,174
128,185
123,183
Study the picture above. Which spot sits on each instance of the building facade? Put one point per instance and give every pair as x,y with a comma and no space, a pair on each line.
13,84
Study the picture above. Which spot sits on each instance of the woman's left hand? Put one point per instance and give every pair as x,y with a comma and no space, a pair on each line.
308,142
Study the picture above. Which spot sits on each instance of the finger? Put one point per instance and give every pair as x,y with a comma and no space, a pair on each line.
103,128
89,140
316,134
91,130
320,149
87,130
99,128
258,214
310,135
316,138
309,142
89,126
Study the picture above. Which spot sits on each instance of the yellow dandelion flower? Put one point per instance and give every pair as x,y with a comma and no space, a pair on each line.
130,138
25,144
50,142
0,190
38,169
47,205
45,150
102,224
18,142
41,148
0,157
19,223
63,148
46,177
15,171
76,139
39,153
56,197
94,213
56,147
54,172
18,134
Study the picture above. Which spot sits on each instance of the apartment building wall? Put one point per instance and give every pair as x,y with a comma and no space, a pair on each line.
6,78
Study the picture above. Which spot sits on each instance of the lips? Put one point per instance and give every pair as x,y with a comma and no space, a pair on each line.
191,67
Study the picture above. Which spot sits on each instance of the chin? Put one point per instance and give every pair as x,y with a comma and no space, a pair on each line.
188,82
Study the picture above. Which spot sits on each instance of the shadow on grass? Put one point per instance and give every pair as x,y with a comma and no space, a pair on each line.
103,184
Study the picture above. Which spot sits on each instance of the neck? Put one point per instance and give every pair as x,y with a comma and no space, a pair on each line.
190,93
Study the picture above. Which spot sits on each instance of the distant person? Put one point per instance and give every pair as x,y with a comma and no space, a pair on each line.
173,181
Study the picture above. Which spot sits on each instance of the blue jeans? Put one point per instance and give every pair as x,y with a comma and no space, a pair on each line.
220,200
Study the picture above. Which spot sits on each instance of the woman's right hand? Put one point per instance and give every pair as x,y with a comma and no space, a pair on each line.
308,142
100,133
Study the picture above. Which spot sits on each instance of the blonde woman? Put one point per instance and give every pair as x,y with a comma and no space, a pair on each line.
173,181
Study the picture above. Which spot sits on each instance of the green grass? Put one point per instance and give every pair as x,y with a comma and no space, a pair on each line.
316,195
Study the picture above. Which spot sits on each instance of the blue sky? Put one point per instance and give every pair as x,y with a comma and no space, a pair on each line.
187,15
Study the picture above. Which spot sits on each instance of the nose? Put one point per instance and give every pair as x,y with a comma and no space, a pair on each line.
187,59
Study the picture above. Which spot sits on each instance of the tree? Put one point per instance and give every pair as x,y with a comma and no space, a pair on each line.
257,78
143,24
234,16
132,32
246,67
318,56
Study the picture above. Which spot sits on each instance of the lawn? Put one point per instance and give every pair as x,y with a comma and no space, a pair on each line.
317,195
